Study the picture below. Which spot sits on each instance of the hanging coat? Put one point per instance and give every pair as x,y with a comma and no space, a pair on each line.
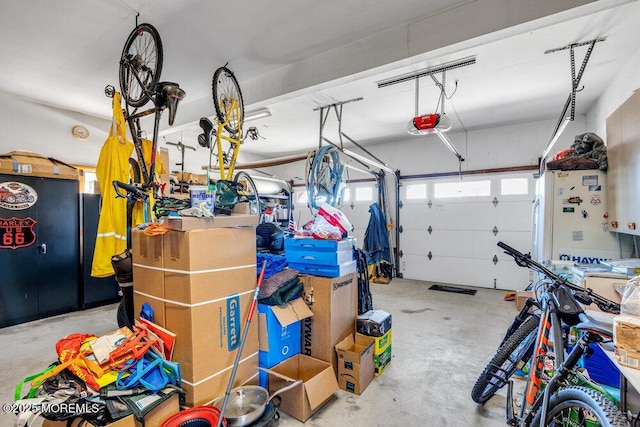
113,164
376,237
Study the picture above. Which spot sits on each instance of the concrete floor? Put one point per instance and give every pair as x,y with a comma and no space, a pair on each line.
441,342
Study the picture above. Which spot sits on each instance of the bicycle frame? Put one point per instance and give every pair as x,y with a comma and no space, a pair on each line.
235,143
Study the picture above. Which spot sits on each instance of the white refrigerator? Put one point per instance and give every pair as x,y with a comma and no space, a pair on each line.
570,218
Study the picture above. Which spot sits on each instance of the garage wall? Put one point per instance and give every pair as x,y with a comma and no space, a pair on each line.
622,87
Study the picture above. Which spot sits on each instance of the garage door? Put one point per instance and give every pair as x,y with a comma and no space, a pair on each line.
450,228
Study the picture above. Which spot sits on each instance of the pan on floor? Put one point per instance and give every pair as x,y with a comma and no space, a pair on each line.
247,404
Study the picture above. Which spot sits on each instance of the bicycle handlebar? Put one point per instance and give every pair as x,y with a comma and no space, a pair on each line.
584,295
136,191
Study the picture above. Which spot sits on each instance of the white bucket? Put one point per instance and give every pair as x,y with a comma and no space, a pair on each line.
201,193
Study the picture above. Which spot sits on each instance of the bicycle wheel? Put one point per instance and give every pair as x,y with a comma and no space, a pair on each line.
515,352
247,188
225,89
582,406
134,169
140,65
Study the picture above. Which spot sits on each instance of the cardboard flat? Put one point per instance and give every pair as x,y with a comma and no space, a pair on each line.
27,163
186,223
355,363
317,387
279,331
334,304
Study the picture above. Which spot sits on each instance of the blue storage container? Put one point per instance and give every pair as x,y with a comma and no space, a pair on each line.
325,270
317,245
601,368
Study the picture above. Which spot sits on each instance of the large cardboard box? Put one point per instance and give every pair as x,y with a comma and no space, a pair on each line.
334,304
28,163
355,363
521,297
317,387
209,282
626,337
148,273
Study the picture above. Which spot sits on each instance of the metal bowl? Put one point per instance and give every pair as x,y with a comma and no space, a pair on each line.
244,406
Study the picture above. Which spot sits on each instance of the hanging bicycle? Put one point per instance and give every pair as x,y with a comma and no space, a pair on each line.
140,67
229,107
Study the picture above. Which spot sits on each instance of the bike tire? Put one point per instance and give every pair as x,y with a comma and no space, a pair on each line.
571,402
142,56
225,89
134,169
250,191
518,347
122,317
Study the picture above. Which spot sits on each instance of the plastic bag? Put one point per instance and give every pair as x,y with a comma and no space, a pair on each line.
630,304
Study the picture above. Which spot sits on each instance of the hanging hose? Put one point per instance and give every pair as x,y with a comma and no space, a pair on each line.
324,177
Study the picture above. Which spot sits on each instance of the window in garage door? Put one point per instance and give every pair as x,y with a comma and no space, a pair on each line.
450,228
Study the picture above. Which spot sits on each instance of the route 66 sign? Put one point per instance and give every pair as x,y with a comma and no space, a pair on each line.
17,232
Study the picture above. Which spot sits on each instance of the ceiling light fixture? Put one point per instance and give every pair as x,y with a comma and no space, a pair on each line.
368,161
257,114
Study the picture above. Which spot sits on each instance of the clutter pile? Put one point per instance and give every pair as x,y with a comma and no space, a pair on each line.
190,346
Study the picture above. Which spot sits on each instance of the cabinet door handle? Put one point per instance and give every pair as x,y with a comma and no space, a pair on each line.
43,248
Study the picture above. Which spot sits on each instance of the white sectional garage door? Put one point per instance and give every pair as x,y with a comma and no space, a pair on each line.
450,228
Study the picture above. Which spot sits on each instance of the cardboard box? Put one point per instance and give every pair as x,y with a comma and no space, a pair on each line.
148,274
27,163
381,351
186,223
317,387
279,331
355,363
334,304
626,337
521,297
154,418
209,282
604,286
204,391
374,323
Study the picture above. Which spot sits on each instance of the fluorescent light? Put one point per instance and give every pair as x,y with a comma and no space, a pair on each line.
553,141
257,114
368,161
449,145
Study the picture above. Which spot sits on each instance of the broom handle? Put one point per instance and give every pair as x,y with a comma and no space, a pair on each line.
245,331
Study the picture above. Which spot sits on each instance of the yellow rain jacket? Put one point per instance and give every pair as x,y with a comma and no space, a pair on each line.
113,164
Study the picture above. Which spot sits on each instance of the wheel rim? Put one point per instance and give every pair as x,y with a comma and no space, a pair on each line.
501,374
574,413
228,100
140,65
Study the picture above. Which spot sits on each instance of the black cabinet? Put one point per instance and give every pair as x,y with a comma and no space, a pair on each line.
94,291
39,248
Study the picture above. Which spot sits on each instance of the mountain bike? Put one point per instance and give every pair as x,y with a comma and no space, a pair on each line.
556,392
139,74
229,107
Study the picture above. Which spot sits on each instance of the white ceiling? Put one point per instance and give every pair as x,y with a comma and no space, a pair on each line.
64,53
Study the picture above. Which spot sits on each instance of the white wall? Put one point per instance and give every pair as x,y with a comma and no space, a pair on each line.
47,130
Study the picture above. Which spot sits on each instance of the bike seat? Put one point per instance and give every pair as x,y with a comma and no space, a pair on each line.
602,328
168,95
205,138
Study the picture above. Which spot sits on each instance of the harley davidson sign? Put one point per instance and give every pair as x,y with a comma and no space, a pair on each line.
17,232
17,196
